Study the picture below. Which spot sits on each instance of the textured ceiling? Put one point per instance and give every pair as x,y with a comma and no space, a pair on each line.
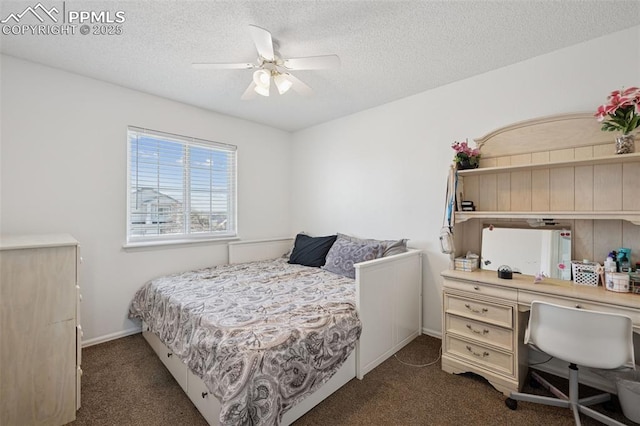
389,49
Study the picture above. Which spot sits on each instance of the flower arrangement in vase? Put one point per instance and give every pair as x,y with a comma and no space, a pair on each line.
465,156
621,113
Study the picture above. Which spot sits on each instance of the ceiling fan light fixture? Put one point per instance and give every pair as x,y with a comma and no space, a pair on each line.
271,66
264,91
282,83
262,78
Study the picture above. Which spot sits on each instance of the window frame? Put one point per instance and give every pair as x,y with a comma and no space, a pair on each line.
185,237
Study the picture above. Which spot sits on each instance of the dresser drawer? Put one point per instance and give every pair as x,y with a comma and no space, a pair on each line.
480,355
480,310
482,289
481,331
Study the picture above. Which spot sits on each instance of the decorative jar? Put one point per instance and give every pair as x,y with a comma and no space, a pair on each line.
625,144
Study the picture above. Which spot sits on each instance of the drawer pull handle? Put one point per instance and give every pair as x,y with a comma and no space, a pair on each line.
476,311
475,287
204,394
482,355
169,355
578,306
483,332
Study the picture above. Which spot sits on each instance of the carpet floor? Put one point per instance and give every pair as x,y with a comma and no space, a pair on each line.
124,383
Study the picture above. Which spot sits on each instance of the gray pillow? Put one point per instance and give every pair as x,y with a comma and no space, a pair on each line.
344,253
388,247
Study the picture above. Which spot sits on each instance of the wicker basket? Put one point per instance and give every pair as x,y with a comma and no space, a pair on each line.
584,273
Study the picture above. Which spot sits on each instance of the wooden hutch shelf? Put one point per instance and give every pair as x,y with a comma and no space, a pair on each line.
610,159
561,168
633,217
558,168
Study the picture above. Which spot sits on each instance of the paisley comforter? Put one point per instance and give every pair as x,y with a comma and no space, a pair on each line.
261,335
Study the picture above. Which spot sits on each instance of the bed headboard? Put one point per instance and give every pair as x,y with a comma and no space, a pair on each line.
254,250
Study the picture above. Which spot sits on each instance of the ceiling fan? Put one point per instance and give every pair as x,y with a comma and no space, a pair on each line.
271,67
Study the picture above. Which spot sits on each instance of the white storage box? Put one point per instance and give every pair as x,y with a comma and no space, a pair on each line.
618,282
584,273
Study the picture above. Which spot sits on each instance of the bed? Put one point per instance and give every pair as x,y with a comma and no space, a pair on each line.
295,334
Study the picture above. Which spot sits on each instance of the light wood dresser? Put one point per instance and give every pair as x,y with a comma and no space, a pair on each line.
485,317
557,172
40,333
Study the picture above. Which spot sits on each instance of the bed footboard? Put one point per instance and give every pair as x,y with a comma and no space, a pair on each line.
389,302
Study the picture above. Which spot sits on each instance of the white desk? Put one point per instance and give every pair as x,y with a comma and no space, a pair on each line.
484,319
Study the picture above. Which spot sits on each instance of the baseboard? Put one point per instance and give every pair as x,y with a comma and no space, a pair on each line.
112,336
433,333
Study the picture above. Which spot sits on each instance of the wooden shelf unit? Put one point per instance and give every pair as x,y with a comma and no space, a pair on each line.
539,169
557,168
560,168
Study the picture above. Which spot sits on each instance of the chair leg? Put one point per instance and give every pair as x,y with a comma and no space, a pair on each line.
576,414
548,386
572,401
578,405
546,400
596,399
599,416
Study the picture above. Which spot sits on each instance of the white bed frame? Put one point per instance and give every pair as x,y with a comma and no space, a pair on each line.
389,302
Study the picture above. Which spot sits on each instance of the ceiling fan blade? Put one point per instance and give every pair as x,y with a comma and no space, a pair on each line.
250,93
243,66
313,63
263,42
299,86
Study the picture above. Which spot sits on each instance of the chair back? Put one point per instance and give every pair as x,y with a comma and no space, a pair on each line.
580,336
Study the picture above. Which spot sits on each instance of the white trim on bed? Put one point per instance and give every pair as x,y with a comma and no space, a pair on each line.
389,303
254,250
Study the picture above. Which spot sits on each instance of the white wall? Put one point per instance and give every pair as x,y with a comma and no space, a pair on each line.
63,169
382,173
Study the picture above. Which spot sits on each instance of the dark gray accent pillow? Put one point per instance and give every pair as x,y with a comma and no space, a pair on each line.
311,251
345,253
388,247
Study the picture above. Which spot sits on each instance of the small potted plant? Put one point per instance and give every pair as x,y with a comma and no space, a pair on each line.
621,113
465,157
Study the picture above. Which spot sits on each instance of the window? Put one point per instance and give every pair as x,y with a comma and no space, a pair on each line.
179,188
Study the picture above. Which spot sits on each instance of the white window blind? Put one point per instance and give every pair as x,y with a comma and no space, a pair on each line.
179,187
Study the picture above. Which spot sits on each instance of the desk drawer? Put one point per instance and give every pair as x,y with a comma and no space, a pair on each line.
482,289
492,313
480,355
527,297
481,331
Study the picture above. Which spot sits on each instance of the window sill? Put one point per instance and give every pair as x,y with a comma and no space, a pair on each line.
150,245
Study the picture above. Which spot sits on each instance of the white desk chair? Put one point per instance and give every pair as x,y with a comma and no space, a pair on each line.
580,337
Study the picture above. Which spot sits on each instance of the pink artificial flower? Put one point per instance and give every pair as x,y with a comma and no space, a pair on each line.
464,148
601,113
621,110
